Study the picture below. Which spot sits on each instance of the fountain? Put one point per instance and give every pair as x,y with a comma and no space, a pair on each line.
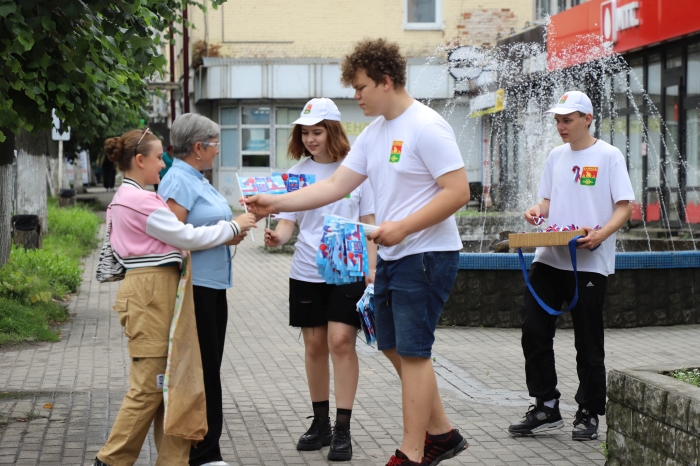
657,279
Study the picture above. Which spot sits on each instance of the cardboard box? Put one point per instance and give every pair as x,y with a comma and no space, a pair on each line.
531,240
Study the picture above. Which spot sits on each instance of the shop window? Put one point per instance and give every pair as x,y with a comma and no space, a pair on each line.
637,83
674,59
693,70
692,123
423,14
620,90
654,85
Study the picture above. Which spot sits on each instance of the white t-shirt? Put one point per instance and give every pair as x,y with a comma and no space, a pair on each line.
584,200
402,158
358,203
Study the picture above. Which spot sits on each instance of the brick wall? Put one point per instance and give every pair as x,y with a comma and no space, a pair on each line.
296,29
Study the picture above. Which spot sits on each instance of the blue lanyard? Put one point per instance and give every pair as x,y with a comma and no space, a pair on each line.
572,303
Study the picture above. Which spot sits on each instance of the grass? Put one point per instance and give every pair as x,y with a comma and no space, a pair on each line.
691,376
34,282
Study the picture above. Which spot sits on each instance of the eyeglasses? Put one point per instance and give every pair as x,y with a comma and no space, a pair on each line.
145,132
213,144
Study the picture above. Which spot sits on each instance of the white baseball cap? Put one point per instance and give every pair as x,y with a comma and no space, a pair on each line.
572,101
316,110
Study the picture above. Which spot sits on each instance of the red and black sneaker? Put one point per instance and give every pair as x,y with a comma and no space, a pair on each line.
442,447
399,459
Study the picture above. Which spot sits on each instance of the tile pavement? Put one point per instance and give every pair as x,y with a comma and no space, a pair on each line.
480,371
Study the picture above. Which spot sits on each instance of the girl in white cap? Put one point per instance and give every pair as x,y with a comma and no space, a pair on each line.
326,313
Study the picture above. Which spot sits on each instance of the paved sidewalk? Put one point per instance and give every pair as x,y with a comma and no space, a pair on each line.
57,401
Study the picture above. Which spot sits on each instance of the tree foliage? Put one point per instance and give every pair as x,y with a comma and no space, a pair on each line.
83,57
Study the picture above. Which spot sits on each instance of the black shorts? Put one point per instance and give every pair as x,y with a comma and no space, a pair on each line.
314,304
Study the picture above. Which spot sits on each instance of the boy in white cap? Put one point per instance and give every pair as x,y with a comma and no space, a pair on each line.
585,182
410,155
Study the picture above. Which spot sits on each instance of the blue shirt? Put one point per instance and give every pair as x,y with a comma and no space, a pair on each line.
205,206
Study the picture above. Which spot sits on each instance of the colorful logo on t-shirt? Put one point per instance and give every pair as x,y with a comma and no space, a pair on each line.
563,98
395,155
589,175
307,110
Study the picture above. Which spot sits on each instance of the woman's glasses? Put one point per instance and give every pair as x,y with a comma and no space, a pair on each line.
214,144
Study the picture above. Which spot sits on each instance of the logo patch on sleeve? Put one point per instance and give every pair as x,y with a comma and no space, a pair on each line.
589,175
395,155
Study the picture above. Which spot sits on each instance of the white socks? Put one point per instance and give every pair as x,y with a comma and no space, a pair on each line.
550,403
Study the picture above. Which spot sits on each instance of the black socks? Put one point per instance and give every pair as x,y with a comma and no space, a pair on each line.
321,408
343,417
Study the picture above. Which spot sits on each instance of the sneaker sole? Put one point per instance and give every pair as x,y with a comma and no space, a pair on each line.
340,455
463,445
543,428
583,439
314,446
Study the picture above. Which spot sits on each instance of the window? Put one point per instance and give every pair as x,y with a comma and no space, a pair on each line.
283,119
250,137
423,14
245,131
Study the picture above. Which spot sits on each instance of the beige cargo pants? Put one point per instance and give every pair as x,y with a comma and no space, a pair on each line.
145,304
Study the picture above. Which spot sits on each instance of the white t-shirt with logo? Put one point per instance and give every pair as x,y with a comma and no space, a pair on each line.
358,203
583,187
402,158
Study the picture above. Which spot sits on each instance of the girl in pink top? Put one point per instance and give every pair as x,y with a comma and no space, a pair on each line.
148,240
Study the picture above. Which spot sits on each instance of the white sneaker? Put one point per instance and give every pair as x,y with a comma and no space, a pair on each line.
216,463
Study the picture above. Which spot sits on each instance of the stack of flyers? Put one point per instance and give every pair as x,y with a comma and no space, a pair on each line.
262,185
365,307
342,254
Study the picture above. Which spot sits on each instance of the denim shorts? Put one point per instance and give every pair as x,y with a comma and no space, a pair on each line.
409,296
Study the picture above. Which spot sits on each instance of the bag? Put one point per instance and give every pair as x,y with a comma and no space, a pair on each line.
109,269
183,387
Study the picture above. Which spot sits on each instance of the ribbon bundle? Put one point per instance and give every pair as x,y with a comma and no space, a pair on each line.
342,254
365,307
554,228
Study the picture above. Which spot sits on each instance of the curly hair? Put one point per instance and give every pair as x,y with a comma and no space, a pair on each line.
122,149
337,142
378,58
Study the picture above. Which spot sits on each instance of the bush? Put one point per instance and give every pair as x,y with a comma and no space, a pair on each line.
31,280
691,376
19,321
75,226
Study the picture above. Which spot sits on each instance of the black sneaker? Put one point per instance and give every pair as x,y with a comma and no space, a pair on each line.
341,444
319,435
538,418
585,425
99,463
436,450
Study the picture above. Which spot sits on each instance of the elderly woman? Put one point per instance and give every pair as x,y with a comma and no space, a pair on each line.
195,141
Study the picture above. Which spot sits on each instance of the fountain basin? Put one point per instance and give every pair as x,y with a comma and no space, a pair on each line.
647,289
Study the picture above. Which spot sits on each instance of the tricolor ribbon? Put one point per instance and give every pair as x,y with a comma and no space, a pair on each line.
577,173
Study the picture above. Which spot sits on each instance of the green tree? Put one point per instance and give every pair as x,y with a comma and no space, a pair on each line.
84,58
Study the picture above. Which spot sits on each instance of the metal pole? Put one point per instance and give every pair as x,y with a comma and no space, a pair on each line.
60,167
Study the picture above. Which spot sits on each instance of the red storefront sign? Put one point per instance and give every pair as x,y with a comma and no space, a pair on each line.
600,27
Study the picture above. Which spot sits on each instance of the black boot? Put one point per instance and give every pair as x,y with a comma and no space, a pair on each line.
319,435
341,444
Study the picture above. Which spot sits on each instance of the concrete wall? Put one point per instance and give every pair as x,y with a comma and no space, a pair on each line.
635,298
652,418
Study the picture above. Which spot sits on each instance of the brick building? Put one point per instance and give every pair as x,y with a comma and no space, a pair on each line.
250,66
